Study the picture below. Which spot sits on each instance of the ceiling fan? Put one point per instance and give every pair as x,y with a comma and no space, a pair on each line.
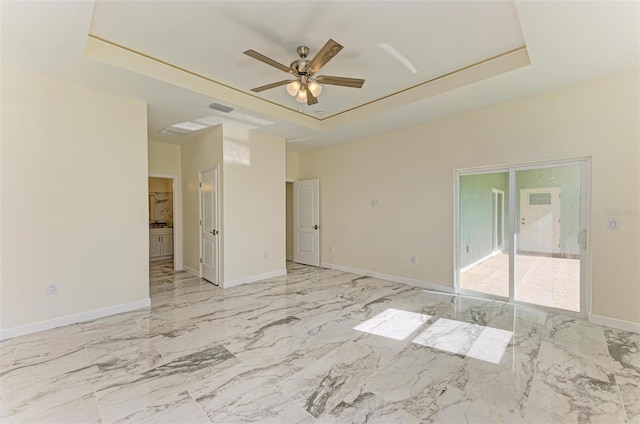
306,87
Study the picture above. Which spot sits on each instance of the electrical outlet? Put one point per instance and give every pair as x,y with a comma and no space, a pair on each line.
330,248
413,259
52,288
266,255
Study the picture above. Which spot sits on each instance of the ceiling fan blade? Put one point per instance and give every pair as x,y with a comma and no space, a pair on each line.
311,100
272,85
262,58
326,53
345,82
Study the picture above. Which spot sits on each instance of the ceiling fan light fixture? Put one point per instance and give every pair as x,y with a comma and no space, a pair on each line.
302,95
303,88
315,88
293,88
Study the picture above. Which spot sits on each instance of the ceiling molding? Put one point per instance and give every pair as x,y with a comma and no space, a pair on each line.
122,57
479,71
134,61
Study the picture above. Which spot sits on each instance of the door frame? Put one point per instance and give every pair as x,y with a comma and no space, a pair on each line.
177,218
585,228
217,242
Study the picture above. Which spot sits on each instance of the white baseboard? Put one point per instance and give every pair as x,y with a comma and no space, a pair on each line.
191,270
253,278
290,258
73,318
395,278
619,324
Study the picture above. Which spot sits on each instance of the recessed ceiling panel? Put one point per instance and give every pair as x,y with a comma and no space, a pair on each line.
392,45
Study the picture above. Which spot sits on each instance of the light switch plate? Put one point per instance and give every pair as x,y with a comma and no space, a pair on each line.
613,224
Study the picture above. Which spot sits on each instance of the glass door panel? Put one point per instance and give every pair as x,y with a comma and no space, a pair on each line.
547,229
483,233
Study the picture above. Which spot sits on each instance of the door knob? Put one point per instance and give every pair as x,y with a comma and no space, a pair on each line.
315,227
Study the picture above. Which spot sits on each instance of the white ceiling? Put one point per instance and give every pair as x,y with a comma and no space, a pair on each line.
567,42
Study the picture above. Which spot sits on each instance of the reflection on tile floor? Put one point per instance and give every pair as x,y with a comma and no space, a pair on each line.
323,346
553,282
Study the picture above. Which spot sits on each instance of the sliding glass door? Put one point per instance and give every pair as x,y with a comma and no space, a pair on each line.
483,254
521,234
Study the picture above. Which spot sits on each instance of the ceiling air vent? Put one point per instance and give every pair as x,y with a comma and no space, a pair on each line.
173,131
221,108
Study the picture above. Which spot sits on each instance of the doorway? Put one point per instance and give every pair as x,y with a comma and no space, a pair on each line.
164,219
289,220
540,257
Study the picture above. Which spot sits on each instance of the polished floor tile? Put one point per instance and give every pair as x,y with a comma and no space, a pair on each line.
320,345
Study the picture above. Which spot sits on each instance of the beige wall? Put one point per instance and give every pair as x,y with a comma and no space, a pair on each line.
292,166
201,154
411,173
164,159
254,204
93,239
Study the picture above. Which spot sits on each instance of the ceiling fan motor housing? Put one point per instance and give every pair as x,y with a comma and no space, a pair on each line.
299,66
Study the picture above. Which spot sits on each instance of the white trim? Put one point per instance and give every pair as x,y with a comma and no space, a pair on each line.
253,278
394,278
290,258
498,245
456,232
177,219
190,270
74,318
513,223
615,323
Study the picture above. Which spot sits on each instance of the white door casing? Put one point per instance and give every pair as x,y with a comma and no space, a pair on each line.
539,220
306,221
209,230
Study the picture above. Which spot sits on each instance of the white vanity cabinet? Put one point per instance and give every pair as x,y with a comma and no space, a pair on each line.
160,243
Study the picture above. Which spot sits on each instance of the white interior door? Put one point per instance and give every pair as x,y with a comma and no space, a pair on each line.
539,220
209,225
306,221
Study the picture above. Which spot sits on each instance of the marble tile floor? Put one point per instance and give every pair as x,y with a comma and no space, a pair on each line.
323,346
